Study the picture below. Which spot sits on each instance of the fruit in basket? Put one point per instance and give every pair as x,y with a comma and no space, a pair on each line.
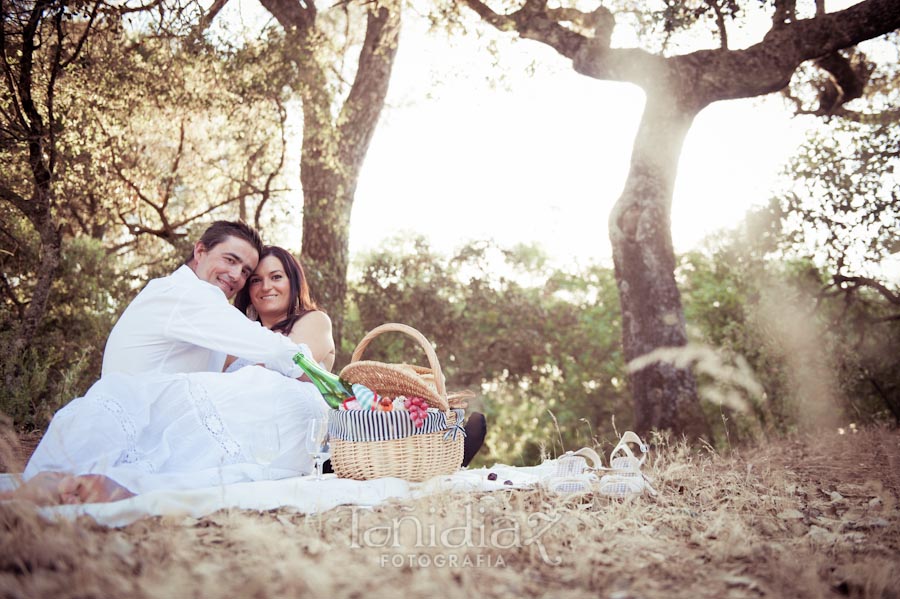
418,410
384,404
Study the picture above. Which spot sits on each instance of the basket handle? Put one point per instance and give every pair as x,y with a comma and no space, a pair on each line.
423,342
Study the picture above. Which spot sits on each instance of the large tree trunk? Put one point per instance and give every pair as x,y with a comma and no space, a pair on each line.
40,213
334,148
665,397
51,255
327,203
29,124
678,87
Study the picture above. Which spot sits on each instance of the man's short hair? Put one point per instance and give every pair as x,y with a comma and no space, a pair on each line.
221,230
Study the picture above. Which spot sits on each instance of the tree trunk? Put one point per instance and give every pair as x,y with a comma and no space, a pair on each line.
334,150
30,125
326,210
677,87
665,397
327,201
51,255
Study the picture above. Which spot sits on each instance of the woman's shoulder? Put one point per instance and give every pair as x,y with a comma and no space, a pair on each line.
312,320
314,317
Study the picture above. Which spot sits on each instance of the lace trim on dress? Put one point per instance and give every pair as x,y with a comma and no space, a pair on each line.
210,419
130,454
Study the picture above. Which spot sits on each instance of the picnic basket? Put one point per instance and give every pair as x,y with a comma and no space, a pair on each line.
368,444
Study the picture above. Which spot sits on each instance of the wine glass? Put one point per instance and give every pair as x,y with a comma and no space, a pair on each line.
317,443
266,445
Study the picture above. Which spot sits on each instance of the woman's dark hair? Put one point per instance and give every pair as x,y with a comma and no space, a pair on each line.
221,230
300,299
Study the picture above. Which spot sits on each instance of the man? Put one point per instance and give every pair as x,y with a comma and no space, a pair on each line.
185,323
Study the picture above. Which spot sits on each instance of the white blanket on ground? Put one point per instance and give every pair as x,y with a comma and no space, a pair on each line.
304,494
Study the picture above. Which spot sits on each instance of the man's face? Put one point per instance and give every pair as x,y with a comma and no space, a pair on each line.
227,265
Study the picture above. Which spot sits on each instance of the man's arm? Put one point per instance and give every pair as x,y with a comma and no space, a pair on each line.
203,317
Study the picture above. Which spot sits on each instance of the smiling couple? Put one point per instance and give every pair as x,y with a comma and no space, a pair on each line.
164,415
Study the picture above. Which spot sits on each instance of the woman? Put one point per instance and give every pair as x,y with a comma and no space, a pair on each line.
133,434
277,295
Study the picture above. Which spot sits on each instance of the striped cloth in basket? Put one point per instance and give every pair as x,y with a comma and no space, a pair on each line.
366,425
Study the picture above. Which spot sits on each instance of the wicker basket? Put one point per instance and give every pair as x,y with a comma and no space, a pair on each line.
367,445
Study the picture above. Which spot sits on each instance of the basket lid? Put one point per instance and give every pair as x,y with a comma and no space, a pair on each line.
393,380
399,379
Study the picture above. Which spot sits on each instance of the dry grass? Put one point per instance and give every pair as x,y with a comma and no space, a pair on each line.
805,517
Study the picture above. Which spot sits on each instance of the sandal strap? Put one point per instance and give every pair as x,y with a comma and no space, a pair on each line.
591,455
622,446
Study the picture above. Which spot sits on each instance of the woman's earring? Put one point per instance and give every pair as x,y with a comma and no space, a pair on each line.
251,313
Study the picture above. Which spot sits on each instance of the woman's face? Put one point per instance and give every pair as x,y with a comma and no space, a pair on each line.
270,289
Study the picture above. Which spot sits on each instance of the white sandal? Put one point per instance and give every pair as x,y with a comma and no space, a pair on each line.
625,478
570,471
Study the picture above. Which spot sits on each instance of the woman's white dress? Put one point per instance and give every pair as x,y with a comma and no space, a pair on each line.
181,431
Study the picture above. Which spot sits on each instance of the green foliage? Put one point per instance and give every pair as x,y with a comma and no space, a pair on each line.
65,357
186,134
817,363
154,135
539,346
844,206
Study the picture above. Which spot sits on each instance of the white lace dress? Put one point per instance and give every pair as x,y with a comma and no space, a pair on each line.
181,431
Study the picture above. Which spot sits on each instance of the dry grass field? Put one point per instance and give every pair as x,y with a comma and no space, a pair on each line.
809,516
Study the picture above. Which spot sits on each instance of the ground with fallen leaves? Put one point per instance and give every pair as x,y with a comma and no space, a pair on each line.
812,515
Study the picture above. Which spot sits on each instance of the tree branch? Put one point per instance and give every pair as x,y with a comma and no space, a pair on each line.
361,110
207,18
784,13
857,282
10,79
591,56
84,35
533,21
292,14
56,67
124,10
767,66
33,121
720,23
24,206
845,82
869,118
267,189
763,68
210,208
10,292
173,175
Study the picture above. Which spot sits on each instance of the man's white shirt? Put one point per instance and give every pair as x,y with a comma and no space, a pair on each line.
181,323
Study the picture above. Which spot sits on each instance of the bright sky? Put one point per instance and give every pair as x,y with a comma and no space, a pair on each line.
543,158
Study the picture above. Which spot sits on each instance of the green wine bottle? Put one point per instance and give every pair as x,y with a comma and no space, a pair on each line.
333,388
